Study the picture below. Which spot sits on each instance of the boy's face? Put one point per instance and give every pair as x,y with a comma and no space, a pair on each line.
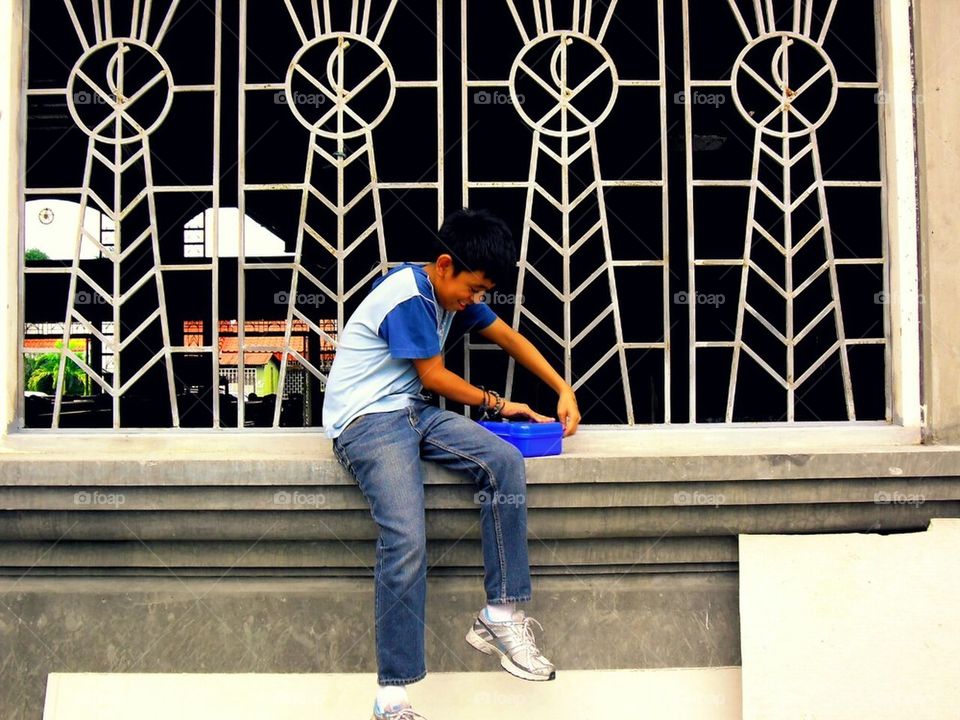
456,291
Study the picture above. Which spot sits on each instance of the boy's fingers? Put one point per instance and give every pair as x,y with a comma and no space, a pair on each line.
534,415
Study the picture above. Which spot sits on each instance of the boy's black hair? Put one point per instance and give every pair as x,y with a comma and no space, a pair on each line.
478,241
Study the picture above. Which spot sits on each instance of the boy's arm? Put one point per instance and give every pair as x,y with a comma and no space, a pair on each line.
436,378
523,351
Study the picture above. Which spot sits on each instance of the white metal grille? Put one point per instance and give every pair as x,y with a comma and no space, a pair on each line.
561,134
119,91
782,63
335,51
110,133
562,76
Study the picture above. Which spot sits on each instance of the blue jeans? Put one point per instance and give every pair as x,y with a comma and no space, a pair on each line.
383,451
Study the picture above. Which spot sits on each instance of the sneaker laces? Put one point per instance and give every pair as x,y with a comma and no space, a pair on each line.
524,632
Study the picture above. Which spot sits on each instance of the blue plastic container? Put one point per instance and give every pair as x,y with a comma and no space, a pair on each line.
531,438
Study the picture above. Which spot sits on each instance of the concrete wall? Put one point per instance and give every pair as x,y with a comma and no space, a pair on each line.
315,625
938,88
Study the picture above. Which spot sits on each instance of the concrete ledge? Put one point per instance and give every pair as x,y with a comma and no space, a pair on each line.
304,459
582,523
313,625
280,496
339,557
611,527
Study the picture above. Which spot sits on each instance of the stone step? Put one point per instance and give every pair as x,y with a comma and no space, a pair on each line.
663,694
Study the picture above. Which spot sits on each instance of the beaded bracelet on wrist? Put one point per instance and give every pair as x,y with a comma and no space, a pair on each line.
491,411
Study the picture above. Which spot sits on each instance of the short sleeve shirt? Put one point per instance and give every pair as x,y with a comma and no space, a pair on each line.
399,321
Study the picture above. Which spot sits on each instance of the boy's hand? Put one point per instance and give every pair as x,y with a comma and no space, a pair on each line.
568,412
522,410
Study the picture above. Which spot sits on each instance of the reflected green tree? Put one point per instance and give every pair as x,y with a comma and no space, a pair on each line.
40,372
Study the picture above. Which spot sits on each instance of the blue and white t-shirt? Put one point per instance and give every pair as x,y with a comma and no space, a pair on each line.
398,321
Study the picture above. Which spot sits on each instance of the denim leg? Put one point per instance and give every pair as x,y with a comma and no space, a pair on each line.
381,450
498,469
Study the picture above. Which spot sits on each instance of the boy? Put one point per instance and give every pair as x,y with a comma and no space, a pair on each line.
381,426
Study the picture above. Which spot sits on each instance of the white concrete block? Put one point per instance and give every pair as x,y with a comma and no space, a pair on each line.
680,694
851,626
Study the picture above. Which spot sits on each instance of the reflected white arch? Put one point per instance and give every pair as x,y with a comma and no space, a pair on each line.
258,240
50,226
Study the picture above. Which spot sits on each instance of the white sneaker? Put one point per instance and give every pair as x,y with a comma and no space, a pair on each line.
513,641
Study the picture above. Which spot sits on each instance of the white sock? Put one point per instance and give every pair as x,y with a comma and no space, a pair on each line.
500,613
388,695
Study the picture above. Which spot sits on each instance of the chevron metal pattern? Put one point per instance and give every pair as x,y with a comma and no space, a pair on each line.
783,124
118,156
785,86
566,207
336,49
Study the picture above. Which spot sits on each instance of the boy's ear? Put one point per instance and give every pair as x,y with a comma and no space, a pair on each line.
444,263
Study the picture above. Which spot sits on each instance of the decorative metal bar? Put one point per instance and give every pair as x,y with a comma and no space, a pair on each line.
382,28
118,129
242,209
72,12
215,229
365,28
145,20
327,132
537,18
758,13
795,125
108,18
166,23
296,21
97,23
561,135
691,225
608,16
665,220
516,18
826,23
